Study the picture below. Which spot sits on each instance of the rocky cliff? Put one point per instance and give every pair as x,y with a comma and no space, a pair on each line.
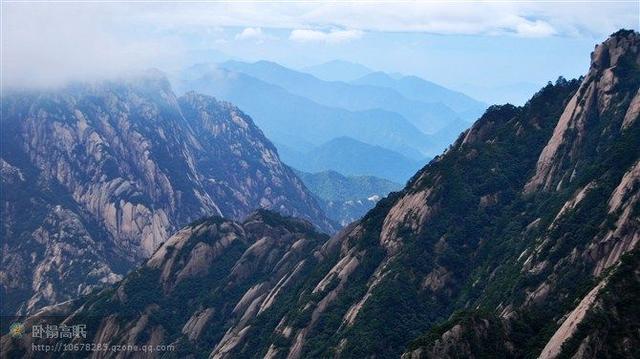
208,279
567,293
96,176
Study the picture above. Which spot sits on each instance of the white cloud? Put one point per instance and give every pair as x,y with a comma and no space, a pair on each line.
516,18
535,29
331,37
50,43
252,33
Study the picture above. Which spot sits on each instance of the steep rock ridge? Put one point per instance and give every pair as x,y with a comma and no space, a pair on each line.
583,204
609,327
570,325
472,336
602,325
217,275
121,165
236,161
403,267
604,93
92,141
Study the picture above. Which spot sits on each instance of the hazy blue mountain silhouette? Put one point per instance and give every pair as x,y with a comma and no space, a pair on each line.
337,70
418,89
429,117
353,158
301,123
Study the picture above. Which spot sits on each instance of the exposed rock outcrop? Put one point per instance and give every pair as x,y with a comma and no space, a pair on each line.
248,268
119,166
605,92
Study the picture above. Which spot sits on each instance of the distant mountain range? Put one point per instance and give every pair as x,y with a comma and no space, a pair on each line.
429,116
346,198
353,158
337,70
300,123
300,112
417,89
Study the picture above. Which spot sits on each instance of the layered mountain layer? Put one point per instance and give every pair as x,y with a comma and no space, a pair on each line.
408,115
350,157
345,199
96,177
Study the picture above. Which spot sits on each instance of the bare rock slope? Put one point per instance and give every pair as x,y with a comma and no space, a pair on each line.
96,177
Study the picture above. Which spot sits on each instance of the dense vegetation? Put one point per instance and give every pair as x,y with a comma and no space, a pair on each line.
333,186
346,199
608,328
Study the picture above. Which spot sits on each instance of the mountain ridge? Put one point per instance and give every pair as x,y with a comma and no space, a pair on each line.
416,88
429,117
303,120
103,173
337,70
354,158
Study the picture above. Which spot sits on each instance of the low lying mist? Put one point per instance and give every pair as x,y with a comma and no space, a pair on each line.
48,45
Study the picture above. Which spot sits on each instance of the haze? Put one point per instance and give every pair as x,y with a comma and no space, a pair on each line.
489,50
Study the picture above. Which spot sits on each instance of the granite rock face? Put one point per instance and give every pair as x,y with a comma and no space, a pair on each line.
577,281
96,176
226,272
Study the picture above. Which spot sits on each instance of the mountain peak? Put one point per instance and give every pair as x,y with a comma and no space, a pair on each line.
606,103
620,44
337,70
275,219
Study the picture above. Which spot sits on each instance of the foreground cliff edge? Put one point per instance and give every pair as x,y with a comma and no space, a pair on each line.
519,241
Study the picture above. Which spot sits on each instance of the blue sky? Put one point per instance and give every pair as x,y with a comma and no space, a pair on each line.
474,47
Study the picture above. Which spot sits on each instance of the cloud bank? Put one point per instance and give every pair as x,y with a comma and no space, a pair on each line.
330,37
527,19
47,44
